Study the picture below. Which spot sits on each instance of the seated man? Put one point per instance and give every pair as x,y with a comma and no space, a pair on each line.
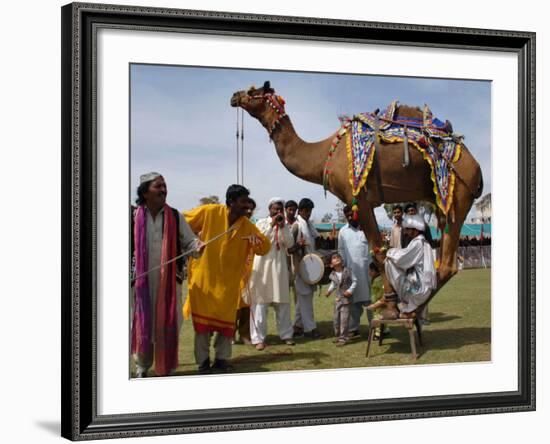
410,271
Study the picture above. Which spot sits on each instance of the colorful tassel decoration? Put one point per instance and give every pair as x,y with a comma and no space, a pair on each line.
355,209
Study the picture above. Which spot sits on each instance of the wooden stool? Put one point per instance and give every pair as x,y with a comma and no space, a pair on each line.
410,324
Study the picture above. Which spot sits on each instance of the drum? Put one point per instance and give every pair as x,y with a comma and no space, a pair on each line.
311,269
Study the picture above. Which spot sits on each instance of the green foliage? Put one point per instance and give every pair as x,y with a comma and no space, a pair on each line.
326,218
209,200
339,209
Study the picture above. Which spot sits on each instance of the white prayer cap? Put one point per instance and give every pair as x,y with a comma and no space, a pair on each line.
414,221
148,177
274,200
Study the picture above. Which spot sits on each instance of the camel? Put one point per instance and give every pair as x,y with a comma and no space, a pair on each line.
388,181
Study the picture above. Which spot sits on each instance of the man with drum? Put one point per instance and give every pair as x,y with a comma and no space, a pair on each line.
354,250
269,278
305,236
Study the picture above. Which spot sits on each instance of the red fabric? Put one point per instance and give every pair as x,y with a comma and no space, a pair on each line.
203,328
141,325
166,321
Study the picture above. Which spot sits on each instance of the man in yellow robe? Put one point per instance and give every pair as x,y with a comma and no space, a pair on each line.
215,280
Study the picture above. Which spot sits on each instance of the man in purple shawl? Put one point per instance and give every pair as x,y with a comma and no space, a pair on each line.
160,234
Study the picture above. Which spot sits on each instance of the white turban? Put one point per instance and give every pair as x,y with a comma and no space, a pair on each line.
414,221
274,200
148,177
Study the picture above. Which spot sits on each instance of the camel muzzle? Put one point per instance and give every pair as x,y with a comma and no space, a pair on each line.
235,100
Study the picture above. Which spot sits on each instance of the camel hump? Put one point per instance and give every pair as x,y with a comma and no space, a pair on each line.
411,112
422,117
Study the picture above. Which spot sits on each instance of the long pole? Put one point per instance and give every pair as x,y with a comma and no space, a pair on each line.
237,136
242,146
185,253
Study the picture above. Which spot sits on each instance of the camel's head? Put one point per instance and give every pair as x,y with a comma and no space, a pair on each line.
261,103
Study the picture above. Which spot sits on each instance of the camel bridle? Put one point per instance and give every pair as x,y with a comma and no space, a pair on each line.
275,103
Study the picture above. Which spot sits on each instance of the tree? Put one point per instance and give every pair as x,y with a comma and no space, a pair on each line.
209,200
340,217
326,218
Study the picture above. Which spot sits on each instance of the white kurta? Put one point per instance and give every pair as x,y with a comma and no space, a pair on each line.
269,278
304,230
411,273
303,311
395,236
354,249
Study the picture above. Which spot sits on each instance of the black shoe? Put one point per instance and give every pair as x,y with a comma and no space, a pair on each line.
221,366
204,368
314,334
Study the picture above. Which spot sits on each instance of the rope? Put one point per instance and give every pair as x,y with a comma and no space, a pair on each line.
240,149
237,136
185,253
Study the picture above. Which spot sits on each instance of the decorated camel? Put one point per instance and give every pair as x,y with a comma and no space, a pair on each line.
401,154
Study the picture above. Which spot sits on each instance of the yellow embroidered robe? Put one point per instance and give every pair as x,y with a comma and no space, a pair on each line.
215,279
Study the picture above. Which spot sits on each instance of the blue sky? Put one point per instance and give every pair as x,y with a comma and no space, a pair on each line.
183,126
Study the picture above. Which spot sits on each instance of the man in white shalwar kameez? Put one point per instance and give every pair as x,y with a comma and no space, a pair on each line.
269,279
305,235
411,270
354,250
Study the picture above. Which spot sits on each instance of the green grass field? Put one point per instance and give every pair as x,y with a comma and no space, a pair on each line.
459,331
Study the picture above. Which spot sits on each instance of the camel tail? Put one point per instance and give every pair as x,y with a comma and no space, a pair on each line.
480,187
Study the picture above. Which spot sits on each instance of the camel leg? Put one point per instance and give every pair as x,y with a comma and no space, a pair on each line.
441,222
368,222
449,242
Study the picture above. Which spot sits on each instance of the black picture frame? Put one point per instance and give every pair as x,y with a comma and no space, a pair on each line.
80,420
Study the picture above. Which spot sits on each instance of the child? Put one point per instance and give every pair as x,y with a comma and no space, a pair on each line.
343,281
376,293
